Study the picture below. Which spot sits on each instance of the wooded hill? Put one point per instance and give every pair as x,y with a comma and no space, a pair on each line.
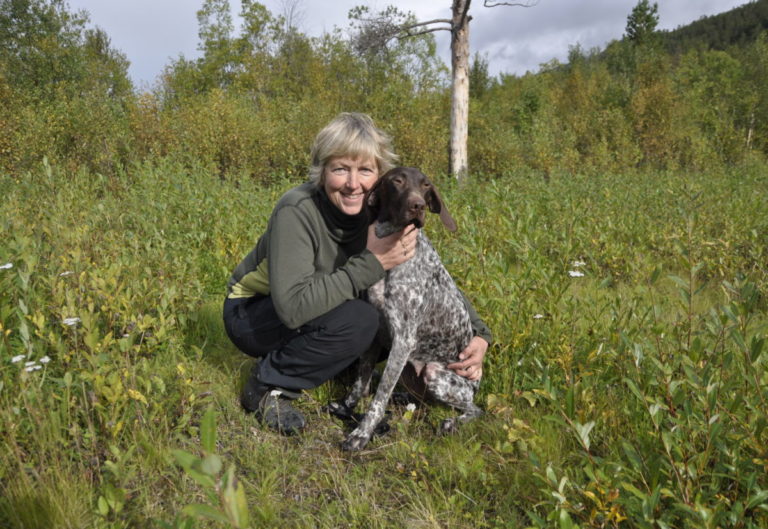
738,27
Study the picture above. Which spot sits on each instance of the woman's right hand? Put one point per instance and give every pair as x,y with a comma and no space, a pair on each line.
393,249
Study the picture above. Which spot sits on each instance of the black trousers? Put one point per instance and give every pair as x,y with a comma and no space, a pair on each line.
302,358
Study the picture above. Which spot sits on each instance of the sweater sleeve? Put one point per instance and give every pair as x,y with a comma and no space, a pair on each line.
299,292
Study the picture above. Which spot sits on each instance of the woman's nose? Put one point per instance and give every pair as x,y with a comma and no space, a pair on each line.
352,179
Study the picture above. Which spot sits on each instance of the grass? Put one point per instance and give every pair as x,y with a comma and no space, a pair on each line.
633,396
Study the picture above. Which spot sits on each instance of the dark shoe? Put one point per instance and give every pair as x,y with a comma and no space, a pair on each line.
276,411
253,391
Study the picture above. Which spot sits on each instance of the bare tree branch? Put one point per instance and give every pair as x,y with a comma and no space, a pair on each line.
436,21
408,33
378,30
293,11
526,3
407,30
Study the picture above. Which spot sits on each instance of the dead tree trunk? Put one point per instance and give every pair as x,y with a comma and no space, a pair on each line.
374,32
459,163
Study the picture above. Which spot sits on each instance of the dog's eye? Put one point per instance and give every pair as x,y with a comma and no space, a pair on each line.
426,185
398,180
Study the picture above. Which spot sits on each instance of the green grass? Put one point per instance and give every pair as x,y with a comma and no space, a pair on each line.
634,396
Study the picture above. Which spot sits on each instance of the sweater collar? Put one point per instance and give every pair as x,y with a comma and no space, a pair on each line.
343,228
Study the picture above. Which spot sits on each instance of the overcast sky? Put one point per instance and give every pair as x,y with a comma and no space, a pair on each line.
153,32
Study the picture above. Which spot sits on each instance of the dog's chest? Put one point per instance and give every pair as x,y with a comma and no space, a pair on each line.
423,307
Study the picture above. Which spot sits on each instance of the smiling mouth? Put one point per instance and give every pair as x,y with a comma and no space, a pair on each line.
353,196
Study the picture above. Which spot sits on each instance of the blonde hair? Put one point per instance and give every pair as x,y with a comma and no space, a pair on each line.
354,135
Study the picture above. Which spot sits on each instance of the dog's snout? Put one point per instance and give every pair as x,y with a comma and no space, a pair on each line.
416,204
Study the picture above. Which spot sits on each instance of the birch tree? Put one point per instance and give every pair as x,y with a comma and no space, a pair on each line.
376,31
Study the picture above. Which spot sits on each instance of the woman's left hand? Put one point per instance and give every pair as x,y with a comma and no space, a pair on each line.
470,363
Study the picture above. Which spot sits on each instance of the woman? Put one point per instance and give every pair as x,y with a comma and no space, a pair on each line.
295,300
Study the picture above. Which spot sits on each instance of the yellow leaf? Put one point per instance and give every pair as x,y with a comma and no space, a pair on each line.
135,395
117,428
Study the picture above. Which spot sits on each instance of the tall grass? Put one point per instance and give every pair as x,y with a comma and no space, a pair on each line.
626,387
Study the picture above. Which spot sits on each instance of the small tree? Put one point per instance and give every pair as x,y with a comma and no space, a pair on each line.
377,31
642,22
215,31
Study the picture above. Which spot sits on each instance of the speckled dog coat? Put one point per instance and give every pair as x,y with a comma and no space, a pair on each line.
424,319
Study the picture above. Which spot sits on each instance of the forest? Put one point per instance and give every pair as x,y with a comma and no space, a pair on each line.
692,98
612,234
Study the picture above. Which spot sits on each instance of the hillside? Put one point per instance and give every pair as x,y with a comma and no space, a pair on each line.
737,27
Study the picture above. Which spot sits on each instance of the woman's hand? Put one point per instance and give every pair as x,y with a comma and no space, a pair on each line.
471,359
393,249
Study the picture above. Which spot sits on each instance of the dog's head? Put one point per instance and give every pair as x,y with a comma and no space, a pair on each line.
402,196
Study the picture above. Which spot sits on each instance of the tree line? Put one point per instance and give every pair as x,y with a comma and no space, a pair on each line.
739,26
252,102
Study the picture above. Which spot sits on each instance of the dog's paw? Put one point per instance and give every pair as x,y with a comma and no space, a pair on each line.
355,441
449,426
341,411
382,428
403,398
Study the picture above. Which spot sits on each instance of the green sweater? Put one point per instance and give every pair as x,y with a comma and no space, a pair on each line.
311,259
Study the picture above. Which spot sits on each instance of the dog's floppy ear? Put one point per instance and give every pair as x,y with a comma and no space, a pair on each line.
436,205
373,202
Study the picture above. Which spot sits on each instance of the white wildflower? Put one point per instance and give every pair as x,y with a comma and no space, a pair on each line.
538,316
18,358
6,266
578,264
45,359
575,273
411,407
71,321
66,273
35,367
27,364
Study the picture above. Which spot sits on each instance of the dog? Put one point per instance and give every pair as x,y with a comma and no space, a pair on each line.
425,323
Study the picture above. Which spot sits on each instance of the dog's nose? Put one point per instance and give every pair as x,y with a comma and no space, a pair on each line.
416,204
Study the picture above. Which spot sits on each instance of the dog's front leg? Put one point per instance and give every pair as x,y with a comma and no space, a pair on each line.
398,356
362,383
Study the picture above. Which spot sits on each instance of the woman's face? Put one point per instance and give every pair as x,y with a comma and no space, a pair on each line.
346,180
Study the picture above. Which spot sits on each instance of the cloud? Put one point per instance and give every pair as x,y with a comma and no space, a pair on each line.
518,39
151,33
